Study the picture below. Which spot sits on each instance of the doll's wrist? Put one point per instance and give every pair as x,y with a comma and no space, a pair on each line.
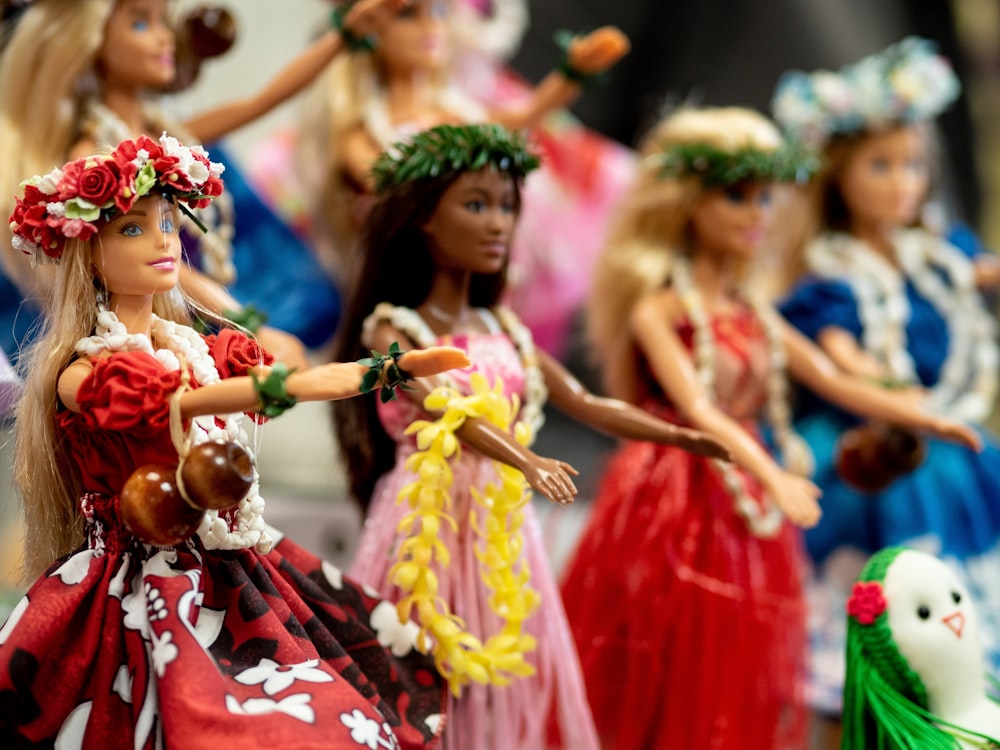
354,41
566,68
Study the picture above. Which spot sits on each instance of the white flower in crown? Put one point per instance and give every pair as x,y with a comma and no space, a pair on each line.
908,82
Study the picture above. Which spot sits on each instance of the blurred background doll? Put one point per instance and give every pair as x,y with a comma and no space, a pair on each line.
916,673
888,299
166,612
101,64
434,256
690,565
412,81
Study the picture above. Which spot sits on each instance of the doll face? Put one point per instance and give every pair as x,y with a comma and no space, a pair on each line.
471,227
933,623
417,38
139,253
885,179
732,221
138,49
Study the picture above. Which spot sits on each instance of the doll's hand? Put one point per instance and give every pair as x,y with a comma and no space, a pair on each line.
953,431
597,51
421,363
698,442
551,478
284,346
987,270
798,499
367,17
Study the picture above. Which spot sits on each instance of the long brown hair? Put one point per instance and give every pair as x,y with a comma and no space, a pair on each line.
395,267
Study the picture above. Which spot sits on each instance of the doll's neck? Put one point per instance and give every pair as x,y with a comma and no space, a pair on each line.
715,277
410,94
447,306
126,104
878,237
134,312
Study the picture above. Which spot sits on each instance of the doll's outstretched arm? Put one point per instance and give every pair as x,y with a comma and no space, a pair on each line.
587,56
808,364
548,476
651,327
328,382
365,17
618,418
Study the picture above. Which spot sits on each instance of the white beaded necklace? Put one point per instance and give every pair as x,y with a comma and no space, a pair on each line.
967,382
408,321
247,528
763,521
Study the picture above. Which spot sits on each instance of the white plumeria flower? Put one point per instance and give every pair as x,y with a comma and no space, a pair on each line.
277,677
49,184
164,651
334,576
297,706
368,732
400,638
74,570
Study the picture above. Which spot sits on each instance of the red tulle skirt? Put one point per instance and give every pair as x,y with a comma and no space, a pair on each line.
691,631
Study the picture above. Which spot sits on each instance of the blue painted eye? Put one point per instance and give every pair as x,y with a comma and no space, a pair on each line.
131,230
167,224
476,207
140,25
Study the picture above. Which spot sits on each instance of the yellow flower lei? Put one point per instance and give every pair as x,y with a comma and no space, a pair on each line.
459,655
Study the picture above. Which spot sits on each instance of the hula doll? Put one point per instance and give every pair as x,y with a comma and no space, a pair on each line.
411,81
100,63
166,613
436,249
888,299
685,563
915,663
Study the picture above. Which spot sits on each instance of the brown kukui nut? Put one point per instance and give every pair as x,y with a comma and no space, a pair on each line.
872,456
216,475
211,30
152,508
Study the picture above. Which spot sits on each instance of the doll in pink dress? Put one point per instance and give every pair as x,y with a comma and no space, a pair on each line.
166,613
436,249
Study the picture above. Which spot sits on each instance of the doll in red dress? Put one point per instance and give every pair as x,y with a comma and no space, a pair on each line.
684,595
226,634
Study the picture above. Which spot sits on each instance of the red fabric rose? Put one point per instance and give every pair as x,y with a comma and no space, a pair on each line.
234,353
99,182
129,392
69,185
866,602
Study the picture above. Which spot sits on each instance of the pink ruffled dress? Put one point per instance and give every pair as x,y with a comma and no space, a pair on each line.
547,710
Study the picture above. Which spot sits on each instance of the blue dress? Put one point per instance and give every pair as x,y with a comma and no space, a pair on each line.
949,506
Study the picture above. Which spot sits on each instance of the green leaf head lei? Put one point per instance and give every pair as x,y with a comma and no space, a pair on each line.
449,149
717,167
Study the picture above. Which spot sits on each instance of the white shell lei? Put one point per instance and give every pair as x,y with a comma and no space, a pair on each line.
247,528
794,452
408,321
942,275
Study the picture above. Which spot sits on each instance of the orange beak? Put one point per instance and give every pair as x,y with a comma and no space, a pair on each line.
955,622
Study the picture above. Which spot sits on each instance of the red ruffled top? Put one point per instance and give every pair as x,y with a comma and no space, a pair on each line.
124,418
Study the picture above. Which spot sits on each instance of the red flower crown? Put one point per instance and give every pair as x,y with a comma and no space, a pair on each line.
67,202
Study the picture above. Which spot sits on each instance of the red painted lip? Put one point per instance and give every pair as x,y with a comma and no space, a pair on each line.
955,623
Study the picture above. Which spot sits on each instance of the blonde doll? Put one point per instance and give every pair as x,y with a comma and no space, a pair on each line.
686,564
138,634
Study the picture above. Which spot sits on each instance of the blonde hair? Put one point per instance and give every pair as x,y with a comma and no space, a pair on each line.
44,71
651,226
338,104
44,469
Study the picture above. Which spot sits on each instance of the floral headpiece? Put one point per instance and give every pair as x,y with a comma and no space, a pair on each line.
453,148
908,82
67,202
717,167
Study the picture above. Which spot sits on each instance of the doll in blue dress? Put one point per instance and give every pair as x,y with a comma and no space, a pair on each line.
889,299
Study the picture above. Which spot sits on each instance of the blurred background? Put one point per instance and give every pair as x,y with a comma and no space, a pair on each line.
716,52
